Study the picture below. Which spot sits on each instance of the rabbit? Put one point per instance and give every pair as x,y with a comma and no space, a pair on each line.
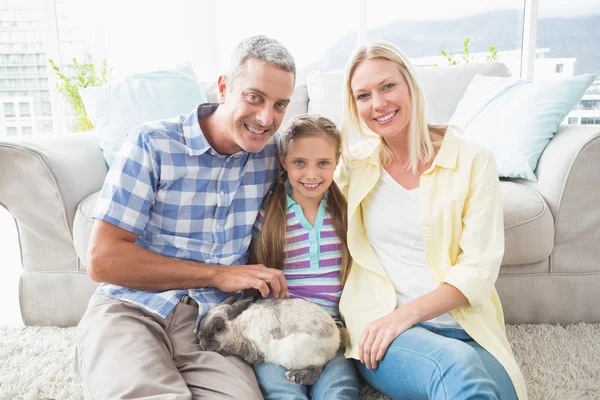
294,333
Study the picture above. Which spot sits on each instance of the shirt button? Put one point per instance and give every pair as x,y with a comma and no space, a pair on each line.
314,245
222,193
313,259
312,232
218,227
320,218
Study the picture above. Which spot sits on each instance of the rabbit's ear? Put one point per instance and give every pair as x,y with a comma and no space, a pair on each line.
230,300
236,309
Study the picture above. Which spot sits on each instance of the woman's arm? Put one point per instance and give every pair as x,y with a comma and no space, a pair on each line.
379,334
435,303
470,281
481,242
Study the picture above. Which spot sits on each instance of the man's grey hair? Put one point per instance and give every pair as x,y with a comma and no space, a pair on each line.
261,48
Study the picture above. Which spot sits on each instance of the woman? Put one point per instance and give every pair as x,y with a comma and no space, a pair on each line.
425,231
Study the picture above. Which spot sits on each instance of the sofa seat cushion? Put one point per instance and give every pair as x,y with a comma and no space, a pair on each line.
82,226
528,225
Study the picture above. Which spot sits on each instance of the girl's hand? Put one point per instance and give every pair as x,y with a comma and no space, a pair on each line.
379,334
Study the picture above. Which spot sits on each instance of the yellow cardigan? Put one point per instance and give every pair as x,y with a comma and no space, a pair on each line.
463,234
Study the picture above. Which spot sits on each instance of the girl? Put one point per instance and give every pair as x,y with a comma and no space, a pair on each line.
425,230
301,230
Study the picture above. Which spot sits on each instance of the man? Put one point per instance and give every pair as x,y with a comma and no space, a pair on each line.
172,229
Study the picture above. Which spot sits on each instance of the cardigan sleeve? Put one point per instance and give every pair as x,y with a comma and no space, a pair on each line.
482,239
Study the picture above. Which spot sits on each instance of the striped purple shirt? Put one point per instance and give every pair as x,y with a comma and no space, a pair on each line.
312,256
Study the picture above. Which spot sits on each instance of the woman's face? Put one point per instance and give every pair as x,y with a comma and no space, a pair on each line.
382,97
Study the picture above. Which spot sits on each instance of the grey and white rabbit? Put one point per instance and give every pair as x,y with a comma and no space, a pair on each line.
294,333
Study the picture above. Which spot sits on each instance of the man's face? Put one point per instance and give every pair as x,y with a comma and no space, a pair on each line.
255,103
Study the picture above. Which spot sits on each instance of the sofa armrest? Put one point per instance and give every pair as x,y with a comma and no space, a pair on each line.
42,181
569,181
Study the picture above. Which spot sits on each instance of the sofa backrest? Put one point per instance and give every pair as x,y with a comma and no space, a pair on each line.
443,87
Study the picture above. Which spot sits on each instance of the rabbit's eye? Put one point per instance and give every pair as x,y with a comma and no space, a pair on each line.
219,326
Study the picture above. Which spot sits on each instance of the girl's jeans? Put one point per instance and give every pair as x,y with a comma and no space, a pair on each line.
338,381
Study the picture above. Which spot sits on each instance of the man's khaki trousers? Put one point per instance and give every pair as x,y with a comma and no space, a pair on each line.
126,352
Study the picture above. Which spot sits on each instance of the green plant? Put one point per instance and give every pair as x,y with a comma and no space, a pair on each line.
493,56
85,76
466,56
450,57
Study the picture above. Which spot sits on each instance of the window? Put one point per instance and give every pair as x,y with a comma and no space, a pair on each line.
27,130
9,110
563,33
427,27
312,48
206,32
590,121
24,110
46,109
573,120
47,126
11,130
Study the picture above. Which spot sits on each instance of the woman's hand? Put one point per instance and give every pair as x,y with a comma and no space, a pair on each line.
379,334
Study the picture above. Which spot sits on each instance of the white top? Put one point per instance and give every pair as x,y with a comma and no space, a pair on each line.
392,220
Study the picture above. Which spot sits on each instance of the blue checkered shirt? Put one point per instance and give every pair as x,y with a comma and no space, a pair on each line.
183,200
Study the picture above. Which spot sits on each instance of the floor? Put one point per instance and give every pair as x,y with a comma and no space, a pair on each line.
10,270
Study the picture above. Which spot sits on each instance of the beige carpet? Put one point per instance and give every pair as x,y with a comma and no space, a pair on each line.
559,362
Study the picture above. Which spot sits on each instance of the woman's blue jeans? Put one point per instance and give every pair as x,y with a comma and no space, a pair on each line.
426,362
339,380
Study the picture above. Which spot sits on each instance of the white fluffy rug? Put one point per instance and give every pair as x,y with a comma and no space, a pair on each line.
559,362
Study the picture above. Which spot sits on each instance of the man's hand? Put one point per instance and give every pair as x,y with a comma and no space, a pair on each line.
255,276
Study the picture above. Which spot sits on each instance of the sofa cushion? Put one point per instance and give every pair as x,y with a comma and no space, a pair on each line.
516,118
82,226
120,105
443,87
528,225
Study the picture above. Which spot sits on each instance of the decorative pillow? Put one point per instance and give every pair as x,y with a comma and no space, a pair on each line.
120,105
516,118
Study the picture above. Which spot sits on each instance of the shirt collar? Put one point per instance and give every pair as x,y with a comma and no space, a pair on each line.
291,202
448,154
192,133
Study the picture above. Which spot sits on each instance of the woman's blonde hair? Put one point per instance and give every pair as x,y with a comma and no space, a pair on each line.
270,245
420,145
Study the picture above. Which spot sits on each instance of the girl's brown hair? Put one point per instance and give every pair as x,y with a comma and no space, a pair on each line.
269,248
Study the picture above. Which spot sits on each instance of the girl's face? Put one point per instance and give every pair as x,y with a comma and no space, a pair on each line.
310,163
382,97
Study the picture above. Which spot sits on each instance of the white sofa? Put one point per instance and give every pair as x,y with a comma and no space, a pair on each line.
551,267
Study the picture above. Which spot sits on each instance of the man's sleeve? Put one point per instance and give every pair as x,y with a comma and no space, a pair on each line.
130,186
257,228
